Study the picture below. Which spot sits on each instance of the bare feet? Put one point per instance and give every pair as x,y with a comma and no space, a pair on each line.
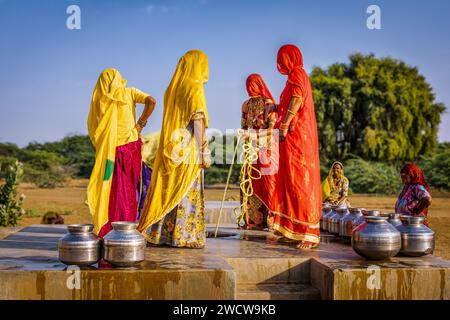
195,245
307,245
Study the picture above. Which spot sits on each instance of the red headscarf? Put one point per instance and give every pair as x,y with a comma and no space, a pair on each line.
290,63
416,174
257,87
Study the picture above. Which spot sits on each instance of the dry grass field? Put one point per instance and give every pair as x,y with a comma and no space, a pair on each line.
70,202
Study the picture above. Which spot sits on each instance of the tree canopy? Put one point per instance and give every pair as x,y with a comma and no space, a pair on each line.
377,109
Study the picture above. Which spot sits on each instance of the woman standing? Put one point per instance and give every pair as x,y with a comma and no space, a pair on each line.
173,212
258,116
415,198
298,198
335,186
114,133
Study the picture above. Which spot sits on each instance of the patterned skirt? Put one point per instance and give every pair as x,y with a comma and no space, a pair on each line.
184,226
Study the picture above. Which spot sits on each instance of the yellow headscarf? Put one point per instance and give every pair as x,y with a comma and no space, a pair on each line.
109,94
176,164
328,186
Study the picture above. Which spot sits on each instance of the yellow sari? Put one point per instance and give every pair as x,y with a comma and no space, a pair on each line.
335,191
177,165
110,123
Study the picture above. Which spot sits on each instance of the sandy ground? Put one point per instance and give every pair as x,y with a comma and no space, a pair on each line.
70,202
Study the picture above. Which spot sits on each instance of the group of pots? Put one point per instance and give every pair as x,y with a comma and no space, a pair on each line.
378,236
124,246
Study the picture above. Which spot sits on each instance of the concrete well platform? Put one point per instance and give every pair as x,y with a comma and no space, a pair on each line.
244,265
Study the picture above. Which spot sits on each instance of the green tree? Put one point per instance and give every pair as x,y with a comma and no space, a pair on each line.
378,109
436,167
10,207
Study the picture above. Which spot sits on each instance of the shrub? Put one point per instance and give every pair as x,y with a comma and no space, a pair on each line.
373,177
10,207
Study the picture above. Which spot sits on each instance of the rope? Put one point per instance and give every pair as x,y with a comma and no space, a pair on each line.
248,157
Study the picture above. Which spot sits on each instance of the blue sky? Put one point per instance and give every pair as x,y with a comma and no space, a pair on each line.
48,72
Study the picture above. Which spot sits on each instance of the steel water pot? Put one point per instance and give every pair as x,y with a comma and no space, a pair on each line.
344,213
376,239
124,246
80,246
394,219
335,220
417,239
348,222
326,210
365,213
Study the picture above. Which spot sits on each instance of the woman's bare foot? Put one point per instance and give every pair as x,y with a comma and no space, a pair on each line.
285,240
195,245
307,245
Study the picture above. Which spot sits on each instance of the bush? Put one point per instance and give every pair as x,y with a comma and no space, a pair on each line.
10,207
373,177
436,168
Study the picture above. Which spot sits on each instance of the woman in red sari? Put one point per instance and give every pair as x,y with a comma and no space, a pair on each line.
297,201
259,117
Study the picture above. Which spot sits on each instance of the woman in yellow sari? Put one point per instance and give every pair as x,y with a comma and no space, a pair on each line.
335,186
173,212
112,191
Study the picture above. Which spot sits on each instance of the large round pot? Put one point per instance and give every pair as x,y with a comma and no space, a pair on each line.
417,239
326,210
348,222
335,220
124,246
376,239
80,246
394,219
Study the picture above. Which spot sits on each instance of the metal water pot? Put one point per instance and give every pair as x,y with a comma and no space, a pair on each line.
335,220
417,239
365,213
344,213
124,246
376,239
80,246
394,219
326,219
326,209
348,222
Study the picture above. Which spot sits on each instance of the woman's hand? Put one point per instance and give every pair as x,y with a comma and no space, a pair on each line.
283,130
206,159
138,128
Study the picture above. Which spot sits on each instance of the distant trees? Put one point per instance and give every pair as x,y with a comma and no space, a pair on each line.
377,109
50,164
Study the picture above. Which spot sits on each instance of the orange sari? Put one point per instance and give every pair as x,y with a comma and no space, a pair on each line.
297,201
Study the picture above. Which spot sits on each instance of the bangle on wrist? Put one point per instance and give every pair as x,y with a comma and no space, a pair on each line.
291,112
284,126
142,123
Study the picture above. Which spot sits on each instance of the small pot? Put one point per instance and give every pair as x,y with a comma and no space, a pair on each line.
394,219
80,246
326,210
417,239
124,246
349,222
334,221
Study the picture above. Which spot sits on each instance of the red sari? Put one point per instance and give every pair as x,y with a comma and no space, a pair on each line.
255,117
296,203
